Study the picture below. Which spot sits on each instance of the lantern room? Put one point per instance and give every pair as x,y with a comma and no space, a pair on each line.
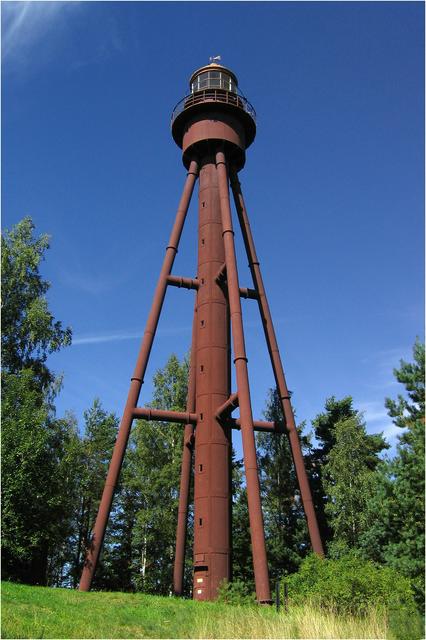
213,76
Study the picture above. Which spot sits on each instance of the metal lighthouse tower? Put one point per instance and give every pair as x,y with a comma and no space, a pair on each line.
213,125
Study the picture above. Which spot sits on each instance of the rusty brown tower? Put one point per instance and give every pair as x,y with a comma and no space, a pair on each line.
214,125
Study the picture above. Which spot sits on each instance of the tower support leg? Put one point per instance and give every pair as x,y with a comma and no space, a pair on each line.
98,532
280,380
185,476
260,564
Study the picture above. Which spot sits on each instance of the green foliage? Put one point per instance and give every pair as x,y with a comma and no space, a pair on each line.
153,475
236,592
396,536
38,480
38,449
348,480
406,411
285,524
242,562
29,331
341,472
52,478
323,425
95,451
350,585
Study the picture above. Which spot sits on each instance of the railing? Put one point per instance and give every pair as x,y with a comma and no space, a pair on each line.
213,95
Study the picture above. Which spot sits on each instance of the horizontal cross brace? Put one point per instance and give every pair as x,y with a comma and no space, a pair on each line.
193,283
259,425
146,413
248,293
186,283
168,416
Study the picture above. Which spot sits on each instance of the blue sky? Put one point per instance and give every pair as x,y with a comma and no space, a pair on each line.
334,183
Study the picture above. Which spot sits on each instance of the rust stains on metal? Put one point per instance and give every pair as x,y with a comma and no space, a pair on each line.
212,496
277,367
213,125
227,407
259,425
257,535
186,283
146,413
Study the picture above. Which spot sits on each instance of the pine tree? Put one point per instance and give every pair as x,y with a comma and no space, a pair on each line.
323,427
397,534
326,433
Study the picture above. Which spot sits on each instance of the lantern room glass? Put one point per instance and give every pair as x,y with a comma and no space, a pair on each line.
213,80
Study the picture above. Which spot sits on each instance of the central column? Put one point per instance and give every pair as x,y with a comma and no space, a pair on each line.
212,481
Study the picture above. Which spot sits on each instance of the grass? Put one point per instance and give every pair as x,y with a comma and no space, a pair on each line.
42,612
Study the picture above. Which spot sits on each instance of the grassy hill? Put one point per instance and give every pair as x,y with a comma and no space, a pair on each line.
41,612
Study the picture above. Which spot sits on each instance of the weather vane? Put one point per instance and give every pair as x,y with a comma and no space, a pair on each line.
215,58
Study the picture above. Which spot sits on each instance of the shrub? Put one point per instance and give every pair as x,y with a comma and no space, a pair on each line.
349,585
235,592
